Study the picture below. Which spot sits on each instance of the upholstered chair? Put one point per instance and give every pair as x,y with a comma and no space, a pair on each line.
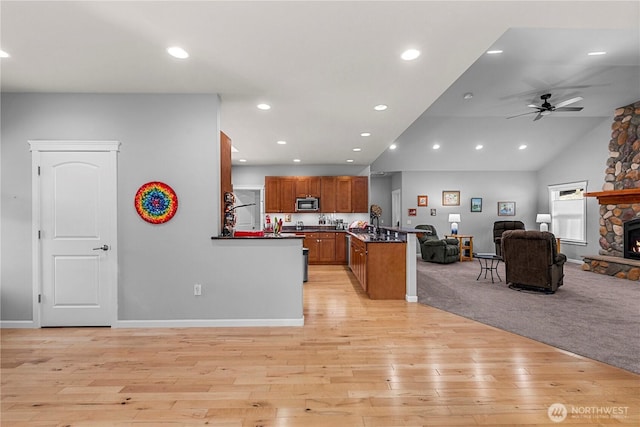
531,260
434,249
500,227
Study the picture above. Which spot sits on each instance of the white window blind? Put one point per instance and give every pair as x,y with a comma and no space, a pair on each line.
568,211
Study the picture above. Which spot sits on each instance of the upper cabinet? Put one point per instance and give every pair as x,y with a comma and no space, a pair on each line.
338,194
360,194
328,194
307,186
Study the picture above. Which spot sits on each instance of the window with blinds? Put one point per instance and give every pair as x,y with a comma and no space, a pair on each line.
568,211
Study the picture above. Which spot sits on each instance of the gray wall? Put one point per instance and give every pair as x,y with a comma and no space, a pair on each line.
380,194
492,187
170,138
584,160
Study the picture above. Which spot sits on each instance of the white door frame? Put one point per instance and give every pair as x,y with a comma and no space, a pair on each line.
254,187
36,147
396,207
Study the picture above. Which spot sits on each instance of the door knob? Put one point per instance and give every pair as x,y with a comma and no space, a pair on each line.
102,248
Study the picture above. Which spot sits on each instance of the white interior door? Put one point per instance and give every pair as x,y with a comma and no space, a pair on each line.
396,206
248,217
78,230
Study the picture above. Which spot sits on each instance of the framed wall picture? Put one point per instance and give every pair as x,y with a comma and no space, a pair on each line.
506,208
413,211
433,212
423,201
476,204
450,198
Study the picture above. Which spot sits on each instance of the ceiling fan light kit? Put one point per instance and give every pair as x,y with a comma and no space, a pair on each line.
546,108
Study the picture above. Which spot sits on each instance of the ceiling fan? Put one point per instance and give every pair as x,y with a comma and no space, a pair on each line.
546,108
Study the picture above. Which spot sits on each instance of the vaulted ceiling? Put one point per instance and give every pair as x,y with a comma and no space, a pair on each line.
324,65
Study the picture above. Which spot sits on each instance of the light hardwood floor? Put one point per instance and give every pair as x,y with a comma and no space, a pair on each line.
356,362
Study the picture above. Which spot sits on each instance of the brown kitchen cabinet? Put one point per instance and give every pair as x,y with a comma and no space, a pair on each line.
338,194
272,194
341,248
322,247
288,194
360,194
307,186
328,194
343,193
279,194
380,268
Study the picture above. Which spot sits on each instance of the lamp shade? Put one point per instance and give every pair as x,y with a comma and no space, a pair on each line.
543,218
454,217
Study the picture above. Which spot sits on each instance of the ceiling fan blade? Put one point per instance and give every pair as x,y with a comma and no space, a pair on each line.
539,116
568,101
523,114
569,109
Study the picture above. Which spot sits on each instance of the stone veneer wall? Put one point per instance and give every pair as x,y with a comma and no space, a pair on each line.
623,172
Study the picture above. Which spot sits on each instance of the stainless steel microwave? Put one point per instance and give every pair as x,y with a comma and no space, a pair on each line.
307,204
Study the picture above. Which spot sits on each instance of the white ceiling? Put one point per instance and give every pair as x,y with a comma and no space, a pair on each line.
324,65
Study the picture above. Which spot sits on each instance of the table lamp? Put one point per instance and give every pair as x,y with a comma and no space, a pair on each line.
543,219
454,219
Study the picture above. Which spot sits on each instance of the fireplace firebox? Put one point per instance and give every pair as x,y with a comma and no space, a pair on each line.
631,231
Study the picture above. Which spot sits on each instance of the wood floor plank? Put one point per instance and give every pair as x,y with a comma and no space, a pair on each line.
355,362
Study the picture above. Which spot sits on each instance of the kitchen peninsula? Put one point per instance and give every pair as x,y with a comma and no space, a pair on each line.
385,263
270,283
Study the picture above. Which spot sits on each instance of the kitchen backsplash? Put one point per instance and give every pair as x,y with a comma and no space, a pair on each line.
313,218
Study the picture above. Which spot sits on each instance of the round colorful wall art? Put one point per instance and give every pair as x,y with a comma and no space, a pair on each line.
156,202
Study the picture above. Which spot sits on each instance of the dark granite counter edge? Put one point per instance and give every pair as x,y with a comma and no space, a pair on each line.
265,237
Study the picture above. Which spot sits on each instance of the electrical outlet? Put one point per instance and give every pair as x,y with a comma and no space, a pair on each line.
408,221
197,289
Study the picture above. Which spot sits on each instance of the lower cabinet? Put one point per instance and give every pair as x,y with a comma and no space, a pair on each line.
380,268
326,247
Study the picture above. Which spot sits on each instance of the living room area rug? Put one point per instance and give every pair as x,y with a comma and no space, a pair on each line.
591,315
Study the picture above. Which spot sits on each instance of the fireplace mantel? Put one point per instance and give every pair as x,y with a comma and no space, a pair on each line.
616,197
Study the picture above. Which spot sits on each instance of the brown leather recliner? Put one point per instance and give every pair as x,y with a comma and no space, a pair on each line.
500,227
531,260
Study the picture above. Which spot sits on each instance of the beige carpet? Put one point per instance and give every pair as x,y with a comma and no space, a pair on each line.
592,315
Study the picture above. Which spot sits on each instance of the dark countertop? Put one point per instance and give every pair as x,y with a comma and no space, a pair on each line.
402,229
313,229
382,238
265,237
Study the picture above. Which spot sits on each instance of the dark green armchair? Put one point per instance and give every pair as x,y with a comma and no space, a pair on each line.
434,249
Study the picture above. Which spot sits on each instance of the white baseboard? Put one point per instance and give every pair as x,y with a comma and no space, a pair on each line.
207,323
17,324
411,298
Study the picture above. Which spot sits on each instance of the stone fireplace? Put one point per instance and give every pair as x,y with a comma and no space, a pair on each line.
620,200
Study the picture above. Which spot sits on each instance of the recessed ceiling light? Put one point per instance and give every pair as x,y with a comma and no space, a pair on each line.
601,52
234,149
436,146
3,54
522,147
410,54
494,52
479,147
467,95
281,142
357,149
349,160
264,106
297,160
242,160
365,134
393,147
380,107
177,52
